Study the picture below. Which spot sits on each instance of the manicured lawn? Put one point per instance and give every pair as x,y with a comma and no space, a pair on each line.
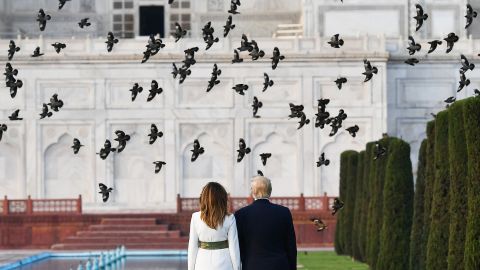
327,260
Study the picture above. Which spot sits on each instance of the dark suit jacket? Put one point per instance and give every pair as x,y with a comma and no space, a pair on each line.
266,236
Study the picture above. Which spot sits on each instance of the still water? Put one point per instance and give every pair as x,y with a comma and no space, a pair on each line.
129,263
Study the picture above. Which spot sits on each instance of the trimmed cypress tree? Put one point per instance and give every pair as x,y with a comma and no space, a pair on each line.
429,182
362,235
418,214
359,191
375,217
349,202
457,150
472,134
397,208
344,164
437,246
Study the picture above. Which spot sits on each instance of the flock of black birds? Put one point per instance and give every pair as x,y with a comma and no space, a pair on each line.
323,118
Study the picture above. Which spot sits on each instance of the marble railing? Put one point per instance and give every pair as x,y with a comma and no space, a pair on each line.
295,204
41,206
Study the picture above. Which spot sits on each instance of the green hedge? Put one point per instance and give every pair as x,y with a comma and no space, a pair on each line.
375,209
437,246
397,208
359,192
350,202
362,233
429,182
457,152
472,134
418,214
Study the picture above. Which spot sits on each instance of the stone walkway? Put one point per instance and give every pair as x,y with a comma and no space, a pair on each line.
9,256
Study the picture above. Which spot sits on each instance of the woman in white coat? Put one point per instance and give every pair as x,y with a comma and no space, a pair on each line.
213,243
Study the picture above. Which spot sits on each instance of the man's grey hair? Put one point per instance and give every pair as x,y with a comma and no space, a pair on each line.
261,187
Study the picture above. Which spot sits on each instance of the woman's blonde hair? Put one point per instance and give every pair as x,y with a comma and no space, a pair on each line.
213,204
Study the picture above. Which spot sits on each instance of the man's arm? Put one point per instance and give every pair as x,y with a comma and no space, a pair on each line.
291,243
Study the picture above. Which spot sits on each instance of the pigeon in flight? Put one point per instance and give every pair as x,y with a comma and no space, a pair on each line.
451,39
276,57
259,172
12,49
158,165
84,23
136,89
122,140
45,112
369,70
154,134
228,26
413,47
412,61
243,150
337,205
14,116
420,17
295,110
111,40
476,92
245,45
266,82
303,120
36,52
265,157
105,151
170,2
319,224
470,15
322,161
42,19
434,44
3,128
466,65
240,88
233,8
197,150
59,46
76,146
379,151
179,32
105,192
256,105
340,81
208,37
55,103
214,79
236,57
463,82
450,100
335,41
62,3
14,85
353,130
154,90
256,53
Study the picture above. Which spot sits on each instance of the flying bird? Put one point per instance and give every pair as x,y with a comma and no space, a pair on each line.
256,105
337,205
111,40
236,57
154,134
413,47
12,49
420,17
266,82
353,130
340,81
104,191
14,86
233,8
240,88
322,161
42,19
463,82
470,15
412,61
256,53
379,151
476,92
450,100
369,70
36,52
14,116
62,3
245,45
136,89
303,120
105,151
76,145
451,39
319,224
265,157
243,150
466,65
45,112
179,32
214,79
84,23
197,150
228,26
259,172
158,165
154,90
335,41
434,44
3,128
122,140
276,57
59,46
55,103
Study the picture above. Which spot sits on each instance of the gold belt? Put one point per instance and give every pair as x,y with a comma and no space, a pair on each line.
213,245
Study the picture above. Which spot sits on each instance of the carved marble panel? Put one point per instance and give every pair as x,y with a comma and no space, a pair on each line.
75,94
11,164
283,91
118,95
192,94
418,92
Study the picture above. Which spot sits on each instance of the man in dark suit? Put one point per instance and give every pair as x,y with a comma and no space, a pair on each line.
265,232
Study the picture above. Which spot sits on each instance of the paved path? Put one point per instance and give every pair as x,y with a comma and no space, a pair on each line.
9,256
